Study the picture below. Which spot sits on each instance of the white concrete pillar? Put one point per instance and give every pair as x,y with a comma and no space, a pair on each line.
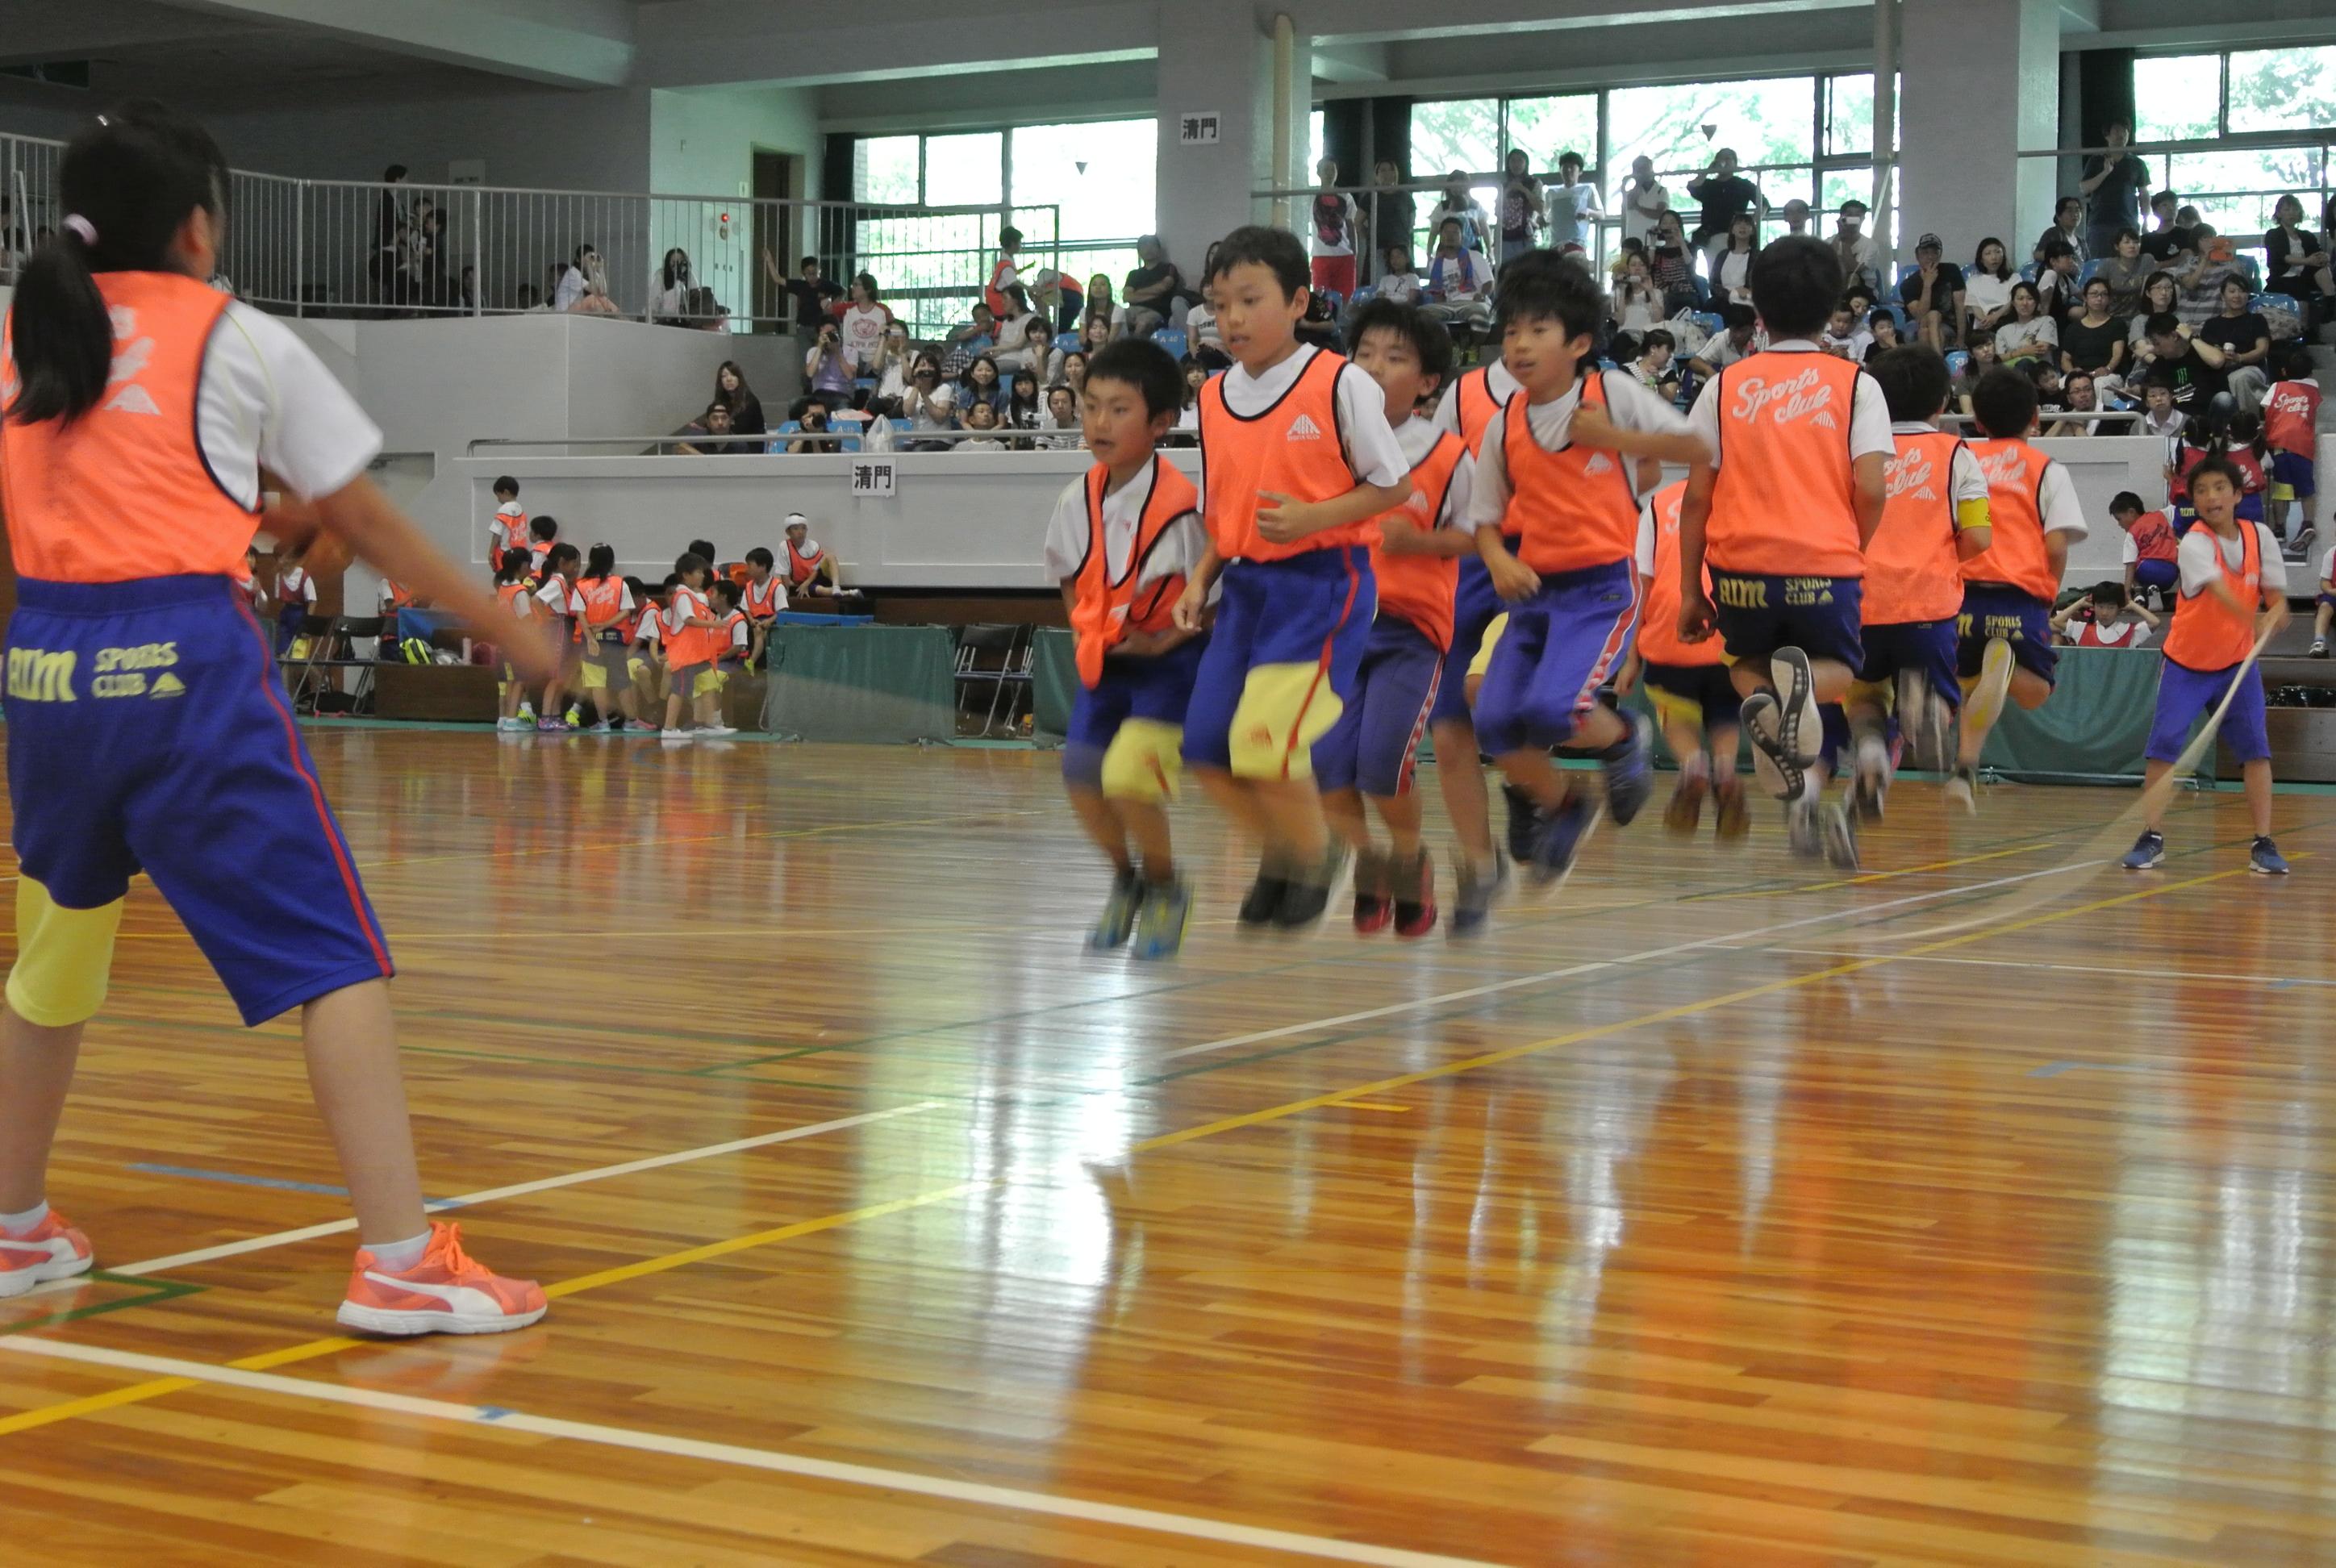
1217,60
1982,80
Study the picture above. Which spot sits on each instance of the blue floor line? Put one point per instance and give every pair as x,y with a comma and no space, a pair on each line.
278,1183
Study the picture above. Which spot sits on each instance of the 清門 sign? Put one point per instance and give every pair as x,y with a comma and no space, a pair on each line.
1200,128
873,478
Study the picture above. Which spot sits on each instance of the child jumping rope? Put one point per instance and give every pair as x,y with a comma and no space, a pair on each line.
128,516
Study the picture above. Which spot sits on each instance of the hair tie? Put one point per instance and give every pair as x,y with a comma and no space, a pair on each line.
81,227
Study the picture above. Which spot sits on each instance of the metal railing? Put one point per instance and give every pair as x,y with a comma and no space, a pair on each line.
900,435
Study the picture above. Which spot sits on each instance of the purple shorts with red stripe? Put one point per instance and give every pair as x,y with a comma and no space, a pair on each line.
1312,609
1561,645
1376,741
148,730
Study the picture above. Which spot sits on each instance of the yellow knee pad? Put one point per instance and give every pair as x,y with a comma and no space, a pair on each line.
1881,694
1671,708
1284,709
63,957
1486,645
1143,762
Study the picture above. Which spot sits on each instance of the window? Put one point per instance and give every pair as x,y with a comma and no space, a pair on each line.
965,171
1849,115
2276,89
2201,98
2174,97
1547,127
885,168
1767,122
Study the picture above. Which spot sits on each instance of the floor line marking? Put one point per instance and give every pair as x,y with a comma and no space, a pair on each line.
1382,1086
1673,949
520,1189
181,1374
1867,879
2130,974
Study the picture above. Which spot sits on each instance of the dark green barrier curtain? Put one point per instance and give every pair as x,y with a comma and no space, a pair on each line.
868,683
1054,680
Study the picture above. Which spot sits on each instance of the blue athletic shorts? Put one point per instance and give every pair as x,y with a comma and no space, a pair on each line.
1473,608
1376,741
2156,574
2294,470
2185,695
1561,645
1288,634
1758,615
1929,646
1993,609
148,730
1154,688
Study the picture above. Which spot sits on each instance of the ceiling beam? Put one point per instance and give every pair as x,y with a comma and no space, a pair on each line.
1351,63
765,43
35,31
563,43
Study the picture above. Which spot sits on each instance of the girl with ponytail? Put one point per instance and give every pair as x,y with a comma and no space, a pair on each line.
147,726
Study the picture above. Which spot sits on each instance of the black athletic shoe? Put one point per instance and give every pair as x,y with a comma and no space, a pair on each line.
1523,821
1308,894
1264,897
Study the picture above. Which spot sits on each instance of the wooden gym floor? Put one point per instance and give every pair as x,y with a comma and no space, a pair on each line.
1716,1211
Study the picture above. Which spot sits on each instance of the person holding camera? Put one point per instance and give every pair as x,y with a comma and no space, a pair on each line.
827,368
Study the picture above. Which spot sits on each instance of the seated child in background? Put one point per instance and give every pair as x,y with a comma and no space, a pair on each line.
981,416
765,598
2290,412
2105,618
2149,548
1402,282
1654,369
733,639
810,569
1845,336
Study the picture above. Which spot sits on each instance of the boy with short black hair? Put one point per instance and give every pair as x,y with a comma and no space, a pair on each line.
1297,460
542,533
2148,548
507,530
2233,598
2291,413
2004,636
1121,542
765,598
1563,466
1790,422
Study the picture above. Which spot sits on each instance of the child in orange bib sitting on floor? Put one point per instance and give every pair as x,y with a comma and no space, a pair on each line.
2004,636
1560,468
810,570
1686,682
2233,595
1935,516
1296,458
1415,562
765,598
1123,538
1800,441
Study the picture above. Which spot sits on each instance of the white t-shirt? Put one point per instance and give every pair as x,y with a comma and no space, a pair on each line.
1402,288
294,585
1343,245
1178,550
1568,206
1984,291
2056,501
2196,554
1372,454
1642,206
1629,405
651,630
1498,384
1732,272
1869,412
569,288
264,400
863,330
2043,329
560,597
2327,566
1417,436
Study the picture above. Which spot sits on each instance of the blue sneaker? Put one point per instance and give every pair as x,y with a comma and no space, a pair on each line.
1630,774
1160,926
2150,848
2266,859
1472,902
1119,910
1558,836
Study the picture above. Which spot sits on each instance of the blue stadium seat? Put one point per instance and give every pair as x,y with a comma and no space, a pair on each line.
1957,362
1712,321
2033,271
1173,339
2085,273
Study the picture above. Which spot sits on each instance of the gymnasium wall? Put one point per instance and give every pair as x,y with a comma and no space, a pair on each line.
534,137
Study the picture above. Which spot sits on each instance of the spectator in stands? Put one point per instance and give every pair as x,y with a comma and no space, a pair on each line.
2076,396
826,368
1458,281
1724,193
2125,269
1004,293
1074,371
930,402
2213,260
1393,213
1845,336
1523,206
730,390
1731,269
813,426
2244,337
2167,239
893,369
1987,287
1673,266
2113,185
981,382
1644,200
1101,302
1979,357
1024,409
1881,333
2192,368
582,282
1575,204
864,321
1729,345
1037,351
1331,230
2056,282
2159,416
1933,295
1200,322
388,239
1459,201
427,266
2158,293
982,416
1400,281
1654,368
2030,334
1795,214
1151,295
670,290
2094,341
2068,227
2297,258
968,339
715,422
1095,331
1062,425
1860,260
1638,303
811,294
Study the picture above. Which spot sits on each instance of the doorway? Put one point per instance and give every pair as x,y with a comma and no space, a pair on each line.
778,231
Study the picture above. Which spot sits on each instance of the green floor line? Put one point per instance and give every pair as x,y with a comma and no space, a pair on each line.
155,1290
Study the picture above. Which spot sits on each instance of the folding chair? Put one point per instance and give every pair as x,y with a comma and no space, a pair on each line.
334,650
1010,672
307,653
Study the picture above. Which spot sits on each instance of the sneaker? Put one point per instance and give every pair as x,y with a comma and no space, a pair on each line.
2147,851
1735,824
1837,825
1520,821
1778,774
1800,726
717,730
549,727
1802,830
1873,777
2264,859
674,734
1984,706
2320,648
1559,837
1474,892
575,717
1684,814
1310,894
1415,899
639,726
514,723
1374,909
51,1250
1117,921
1160,924
527,714
1925,722
1962,787
445,1293
1629,773
1265,894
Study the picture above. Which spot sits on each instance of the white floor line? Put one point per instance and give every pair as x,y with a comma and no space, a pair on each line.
1727,939
519,1189
2072,968
978,1494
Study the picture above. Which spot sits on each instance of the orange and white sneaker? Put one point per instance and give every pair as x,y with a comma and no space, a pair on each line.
51,1249
445,1293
